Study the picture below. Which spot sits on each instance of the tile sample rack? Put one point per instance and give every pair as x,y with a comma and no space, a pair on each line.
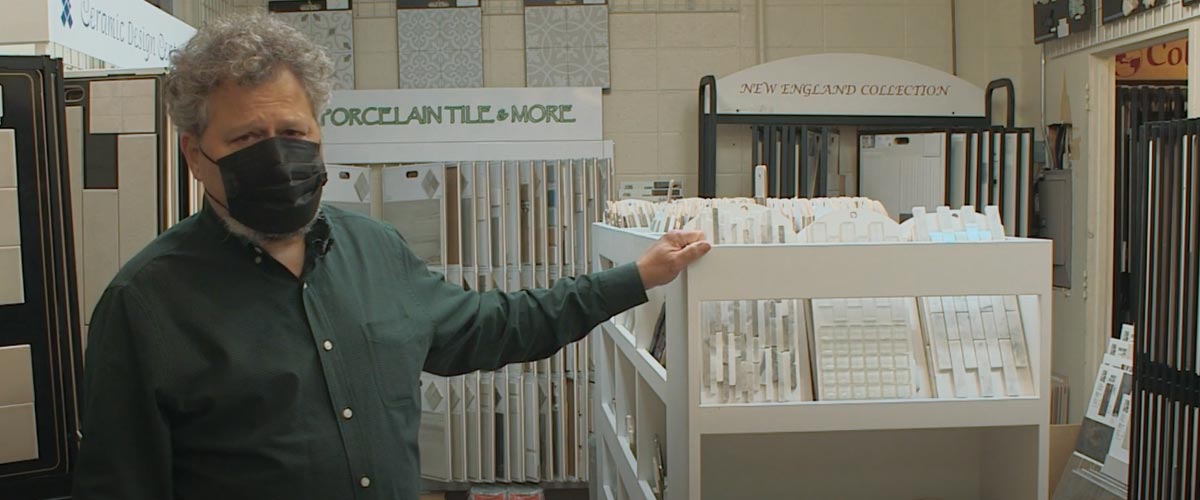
651,418
496,225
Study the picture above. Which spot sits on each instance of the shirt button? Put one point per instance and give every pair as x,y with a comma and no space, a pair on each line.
364,482
306,286
258,260
328,345
347,413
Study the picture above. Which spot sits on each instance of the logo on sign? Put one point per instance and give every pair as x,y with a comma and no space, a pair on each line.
66,19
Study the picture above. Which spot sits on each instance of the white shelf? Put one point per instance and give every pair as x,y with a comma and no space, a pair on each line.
623,459
988,448
647,367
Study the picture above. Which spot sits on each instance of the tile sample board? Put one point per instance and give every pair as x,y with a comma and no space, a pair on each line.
440,48
125,174
333,30
40,344
503,226
567,46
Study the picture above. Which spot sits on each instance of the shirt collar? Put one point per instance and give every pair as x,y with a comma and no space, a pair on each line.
317,242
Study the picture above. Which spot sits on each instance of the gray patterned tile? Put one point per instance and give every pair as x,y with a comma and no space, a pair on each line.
333,31
545,27
586,26
547,67
441,69
589,68
439,29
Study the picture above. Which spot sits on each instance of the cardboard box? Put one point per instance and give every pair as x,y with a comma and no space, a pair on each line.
1062,444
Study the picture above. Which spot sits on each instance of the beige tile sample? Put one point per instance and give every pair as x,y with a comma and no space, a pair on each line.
137,106
16,375
8,158
10,218
105,110
75,167
100,238
138,193
12,291
18,433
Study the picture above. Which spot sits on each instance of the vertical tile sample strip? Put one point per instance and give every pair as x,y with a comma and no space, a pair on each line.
75,127
12,291
440,48
334,31
567,46
137,193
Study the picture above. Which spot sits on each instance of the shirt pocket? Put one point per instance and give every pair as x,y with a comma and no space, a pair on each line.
398,349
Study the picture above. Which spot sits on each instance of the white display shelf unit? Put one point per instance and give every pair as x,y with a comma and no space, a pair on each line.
984,448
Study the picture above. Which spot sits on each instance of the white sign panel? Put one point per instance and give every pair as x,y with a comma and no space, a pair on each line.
123,33
847,85
432,116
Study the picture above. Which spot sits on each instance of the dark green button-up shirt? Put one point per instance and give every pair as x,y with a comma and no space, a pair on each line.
214,373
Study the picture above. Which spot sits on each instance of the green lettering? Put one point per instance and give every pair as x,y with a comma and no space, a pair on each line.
537,113
415,114
521,114
432,114
483,114
354,118
566,108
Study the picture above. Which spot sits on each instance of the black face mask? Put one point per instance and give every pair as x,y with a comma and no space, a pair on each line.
274,186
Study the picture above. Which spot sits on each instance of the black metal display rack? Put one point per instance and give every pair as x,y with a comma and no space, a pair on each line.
47,319
779,140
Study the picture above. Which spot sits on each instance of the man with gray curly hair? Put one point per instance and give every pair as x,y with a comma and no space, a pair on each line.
245,355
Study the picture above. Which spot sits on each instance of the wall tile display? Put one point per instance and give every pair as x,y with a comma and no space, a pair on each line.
333,30
440,48
567,46
40,348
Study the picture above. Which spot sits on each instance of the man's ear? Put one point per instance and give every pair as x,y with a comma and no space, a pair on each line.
190,146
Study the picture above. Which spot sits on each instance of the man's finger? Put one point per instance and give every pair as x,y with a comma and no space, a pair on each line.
694,251
685,238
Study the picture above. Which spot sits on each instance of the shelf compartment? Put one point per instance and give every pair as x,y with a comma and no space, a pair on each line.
993,463
645,364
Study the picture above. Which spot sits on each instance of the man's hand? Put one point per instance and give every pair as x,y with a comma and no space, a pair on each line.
676,250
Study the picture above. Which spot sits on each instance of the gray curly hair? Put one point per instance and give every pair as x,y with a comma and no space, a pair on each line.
246,49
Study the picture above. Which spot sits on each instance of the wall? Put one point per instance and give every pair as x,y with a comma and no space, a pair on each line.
659,55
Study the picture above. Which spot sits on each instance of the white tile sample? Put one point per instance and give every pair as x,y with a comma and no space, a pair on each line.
16,375
980,346
868,349
137,157
8,158
333,31
101,231
18,433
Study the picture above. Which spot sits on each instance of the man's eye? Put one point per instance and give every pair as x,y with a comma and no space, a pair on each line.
294,133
